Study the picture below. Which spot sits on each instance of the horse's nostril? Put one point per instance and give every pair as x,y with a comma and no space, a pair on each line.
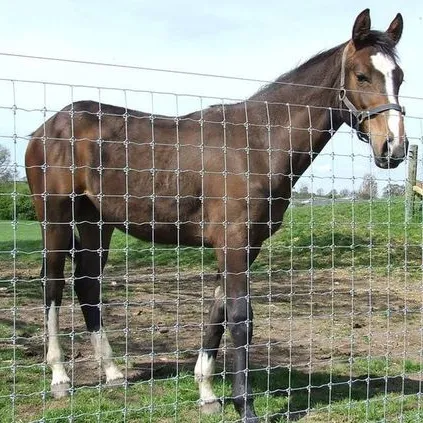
385,147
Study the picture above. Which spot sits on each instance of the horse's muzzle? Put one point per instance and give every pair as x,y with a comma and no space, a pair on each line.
390,156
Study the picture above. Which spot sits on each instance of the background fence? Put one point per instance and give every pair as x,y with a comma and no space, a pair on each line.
337,293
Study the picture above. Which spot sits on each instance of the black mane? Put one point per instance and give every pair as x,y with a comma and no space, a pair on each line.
302,75
318,58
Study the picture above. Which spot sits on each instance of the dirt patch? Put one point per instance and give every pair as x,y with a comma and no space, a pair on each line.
304,320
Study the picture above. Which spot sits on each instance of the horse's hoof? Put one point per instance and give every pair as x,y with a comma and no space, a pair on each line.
212,407
114,383
250,418
60,390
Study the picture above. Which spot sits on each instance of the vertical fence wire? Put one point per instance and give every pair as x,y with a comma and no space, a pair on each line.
73,248
43,275
269,260
420,308
178,265
153,249
202,247
13,253
291,266
224,247
128,309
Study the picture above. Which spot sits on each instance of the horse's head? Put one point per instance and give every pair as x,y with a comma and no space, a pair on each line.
370,81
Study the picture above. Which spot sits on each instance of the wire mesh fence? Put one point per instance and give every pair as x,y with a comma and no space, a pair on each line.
336,292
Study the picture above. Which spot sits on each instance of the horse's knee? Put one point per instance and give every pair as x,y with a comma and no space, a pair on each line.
239,311
240,321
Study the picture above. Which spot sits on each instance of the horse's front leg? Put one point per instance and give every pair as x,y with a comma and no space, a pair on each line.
204,368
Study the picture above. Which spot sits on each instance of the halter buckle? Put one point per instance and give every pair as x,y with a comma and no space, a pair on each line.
361,116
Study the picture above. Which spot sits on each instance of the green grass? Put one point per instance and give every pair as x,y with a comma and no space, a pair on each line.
359,398
367,389
355,234
24,239
350,234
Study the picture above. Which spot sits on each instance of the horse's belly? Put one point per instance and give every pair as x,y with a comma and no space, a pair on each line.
162,220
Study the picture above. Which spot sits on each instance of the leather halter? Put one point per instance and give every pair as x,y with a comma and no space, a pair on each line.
360,115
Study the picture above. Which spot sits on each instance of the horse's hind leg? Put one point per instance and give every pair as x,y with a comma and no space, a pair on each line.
57,240
92,257
204,368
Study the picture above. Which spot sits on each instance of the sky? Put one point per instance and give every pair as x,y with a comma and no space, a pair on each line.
247,39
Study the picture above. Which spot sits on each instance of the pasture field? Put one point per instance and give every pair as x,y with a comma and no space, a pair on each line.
337,295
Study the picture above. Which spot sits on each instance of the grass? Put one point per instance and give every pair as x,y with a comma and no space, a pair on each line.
365,389
354,234
356,398
369,389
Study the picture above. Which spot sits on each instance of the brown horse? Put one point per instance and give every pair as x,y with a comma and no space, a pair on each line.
220,177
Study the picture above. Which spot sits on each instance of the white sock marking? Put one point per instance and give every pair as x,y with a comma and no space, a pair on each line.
204,370
103,353
386,66
54,352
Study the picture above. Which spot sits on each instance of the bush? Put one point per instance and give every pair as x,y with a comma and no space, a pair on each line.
24,208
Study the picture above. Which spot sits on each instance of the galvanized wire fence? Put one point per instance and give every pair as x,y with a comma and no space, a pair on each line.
337,292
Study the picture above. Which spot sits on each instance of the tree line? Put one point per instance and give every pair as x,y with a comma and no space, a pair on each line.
367,190
15,197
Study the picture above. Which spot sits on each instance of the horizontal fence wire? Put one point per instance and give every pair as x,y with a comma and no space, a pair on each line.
175,202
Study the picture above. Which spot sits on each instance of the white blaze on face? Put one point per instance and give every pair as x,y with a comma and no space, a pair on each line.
386,66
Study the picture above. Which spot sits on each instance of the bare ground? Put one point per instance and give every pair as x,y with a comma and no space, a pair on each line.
308,320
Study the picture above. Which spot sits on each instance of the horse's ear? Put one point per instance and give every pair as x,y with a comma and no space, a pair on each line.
361,26
395,29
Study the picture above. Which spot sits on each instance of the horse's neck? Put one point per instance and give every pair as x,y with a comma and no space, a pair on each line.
304,117
313,85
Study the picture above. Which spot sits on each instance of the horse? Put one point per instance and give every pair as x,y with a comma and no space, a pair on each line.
220,177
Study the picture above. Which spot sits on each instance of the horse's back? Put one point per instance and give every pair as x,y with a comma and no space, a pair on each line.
143,168
116,158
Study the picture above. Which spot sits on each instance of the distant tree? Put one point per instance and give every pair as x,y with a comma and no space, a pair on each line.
294,193
368,188
333,193
393,190
345,192
303,191
320,192
6,171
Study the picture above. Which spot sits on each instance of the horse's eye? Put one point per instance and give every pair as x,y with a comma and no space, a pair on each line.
361,77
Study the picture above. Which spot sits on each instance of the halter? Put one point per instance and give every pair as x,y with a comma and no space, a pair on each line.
362,114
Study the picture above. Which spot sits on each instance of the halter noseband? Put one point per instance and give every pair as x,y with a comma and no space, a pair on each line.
362,114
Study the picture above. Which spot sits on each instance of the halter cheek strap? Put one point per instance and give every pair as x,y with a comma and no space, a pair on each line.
360,115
